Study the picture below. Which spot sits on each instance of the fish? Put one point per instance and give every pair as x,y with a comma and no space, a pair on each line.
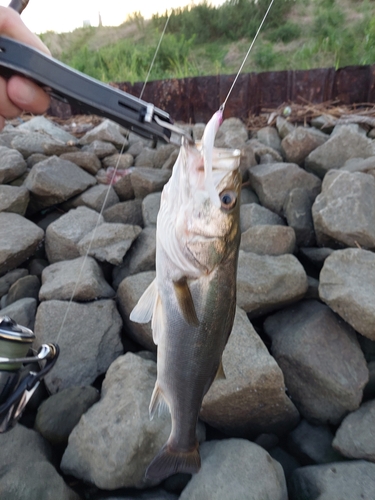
191,302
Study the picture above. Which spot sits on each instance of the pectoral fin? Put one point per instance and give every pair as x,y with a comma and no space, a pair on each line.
185,301
142,312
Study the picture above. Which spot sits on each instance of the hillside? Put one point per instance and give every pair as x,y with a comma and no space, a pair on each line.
203,40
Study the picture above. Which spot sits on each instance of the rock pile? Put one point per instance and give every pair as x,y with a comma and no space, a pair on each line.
295,415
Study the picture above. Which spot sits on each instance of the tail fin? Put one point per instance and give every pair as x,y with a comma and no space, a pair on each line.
168,462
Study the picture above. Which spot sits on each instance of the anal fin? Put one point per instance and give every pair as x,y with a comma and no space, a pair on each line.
168,462
158,402
185,302
220,374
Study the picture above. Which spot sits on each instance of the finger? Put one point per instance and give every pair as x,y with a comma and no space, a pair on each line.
8,109
12,25
27,95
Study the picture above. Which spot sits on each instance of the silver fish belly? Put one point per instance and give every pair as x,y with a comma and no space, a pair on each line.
192,299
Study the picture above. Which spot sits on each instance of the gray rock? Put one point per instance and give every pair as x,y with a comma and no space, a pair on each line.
268,240
98,197
36,266
324,122
148,180
25,287
248,196
40,142
22,311
64,234
109,242
251,399
89,340
163,153
42,124
272,183
336,481
355,436
269,137
339,148
247,160
128,293
36,158
369,390
344,212
136,146
126,212
366,166
323,365
287,461
119,161
169,163
266,283
232,134
54,180
347,286
9,278
150,208
141,256
100,148
284,127
122,416
312,444
253,214
19,240
313,289
26,471
12,165
124,188
225,473
59,414
107,131
84,159
300,142
316,256
14,199
83,276
146,158
297,211
261,151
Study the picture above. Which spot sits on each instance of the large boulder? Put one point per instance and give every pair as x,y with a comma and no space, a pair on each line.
251,400
236,469
323,365
88,335
19,240
266,283
344,212
347,285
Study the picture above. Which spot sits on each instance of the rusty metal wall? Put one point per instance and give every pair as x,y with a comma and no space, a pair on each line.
196,99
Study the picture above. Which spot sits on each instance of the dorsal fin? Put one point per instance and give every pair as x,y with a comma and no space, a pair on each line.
185,301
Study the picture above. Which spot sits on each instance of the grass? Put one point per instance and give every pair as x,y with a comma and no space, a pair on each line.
202,39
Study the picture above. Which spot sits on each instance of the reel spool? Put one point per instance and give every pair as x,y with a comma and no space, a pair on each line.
17,383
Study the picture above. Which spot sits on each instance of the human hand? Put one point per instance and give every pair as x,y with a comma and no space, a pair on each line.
18,93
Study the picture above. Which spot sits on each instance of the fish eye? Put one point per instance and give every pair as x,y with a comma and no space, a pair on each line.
228,199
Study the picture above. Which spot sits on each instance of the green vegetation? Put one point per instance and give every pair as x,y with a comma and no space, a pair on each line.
202,39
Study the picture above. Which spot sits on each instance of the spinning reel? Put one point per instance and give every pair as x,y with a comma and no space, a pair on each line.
18,381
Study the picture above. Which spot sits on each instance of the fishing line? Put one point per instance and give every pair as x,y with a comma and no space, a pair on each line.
106,196
247,55
156,52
